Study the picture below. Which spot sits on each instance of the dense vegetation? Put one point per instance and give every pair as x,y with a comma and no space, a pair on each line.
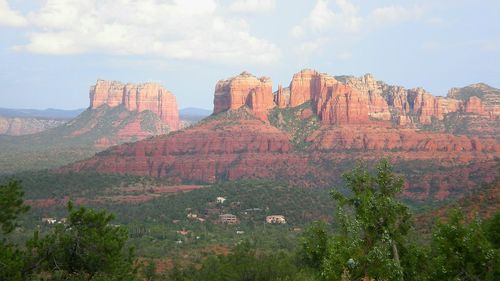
290,120
372,236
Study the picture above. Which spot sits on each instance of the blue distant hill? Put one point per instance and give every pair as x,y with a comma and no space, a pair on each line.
41,113
194,114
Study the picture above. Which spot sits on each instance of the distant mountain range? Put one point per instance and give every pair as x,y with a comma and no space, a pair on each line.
195,112
50,113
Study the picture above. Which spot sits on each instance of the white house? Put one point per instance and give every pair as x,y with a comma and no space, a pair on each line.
49,220
220,200
192,216
276,219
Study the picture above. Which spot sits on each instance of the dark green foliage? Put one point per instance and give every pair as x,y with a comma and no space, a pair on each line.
88,247
12,262
373,226
149,271
462,251
11,205
49,184
150,122
314,245
245,264
492,230
372,234
289,120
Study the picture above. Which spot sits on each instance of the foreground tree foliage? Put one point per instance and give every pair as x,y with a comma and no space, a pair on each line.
462,251
373,226
11,204
11,207
373,240
87,247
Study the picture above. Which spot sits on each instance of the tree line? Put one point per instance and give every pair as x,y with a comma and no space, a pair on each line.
374,240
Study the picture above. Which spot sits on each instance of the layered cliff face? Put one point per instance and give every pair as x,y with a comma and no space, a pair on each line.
282,97
232,146
311,132
334,102
340,104
479,98
353,100
216,149
378,107
137,97
417,106
244,90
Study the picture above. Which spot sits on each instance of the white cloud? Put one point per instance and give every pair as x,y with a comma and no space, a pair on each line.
10,17
178,29
344,19
395,14
253,6
310,47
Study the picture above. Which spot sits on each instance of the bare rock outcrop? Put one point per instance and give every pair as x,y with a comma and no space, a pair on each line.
137,97
244,90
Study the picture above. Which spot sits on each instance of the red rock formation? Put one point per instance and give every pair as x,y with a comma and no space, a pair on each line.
409,106
282,97
340,104
474,105
428,145
229,147
334,102
244,90
427,106
233,149
397,97
141,97
205,153
378,108
308,85
489,96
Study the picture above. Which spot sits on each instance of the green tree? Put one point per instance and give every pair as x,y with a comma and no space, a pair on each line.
88,247
464,251
373,226
314,244
11,206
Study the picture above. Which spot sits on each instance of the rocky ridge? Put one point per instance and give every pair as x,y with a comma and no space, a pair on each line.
244,90
310,132
18,126
118,113
137,97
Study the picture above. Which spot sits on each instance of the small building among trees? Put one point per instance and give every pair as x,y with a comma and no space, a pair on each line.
229,219
276,219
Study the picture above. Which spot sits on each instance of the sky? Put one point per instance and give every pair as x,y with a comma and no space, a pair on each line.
52,51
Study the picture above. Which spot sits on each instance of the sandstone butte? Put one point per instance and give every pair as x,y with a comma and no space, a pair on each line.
137,97
361,118
244,90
